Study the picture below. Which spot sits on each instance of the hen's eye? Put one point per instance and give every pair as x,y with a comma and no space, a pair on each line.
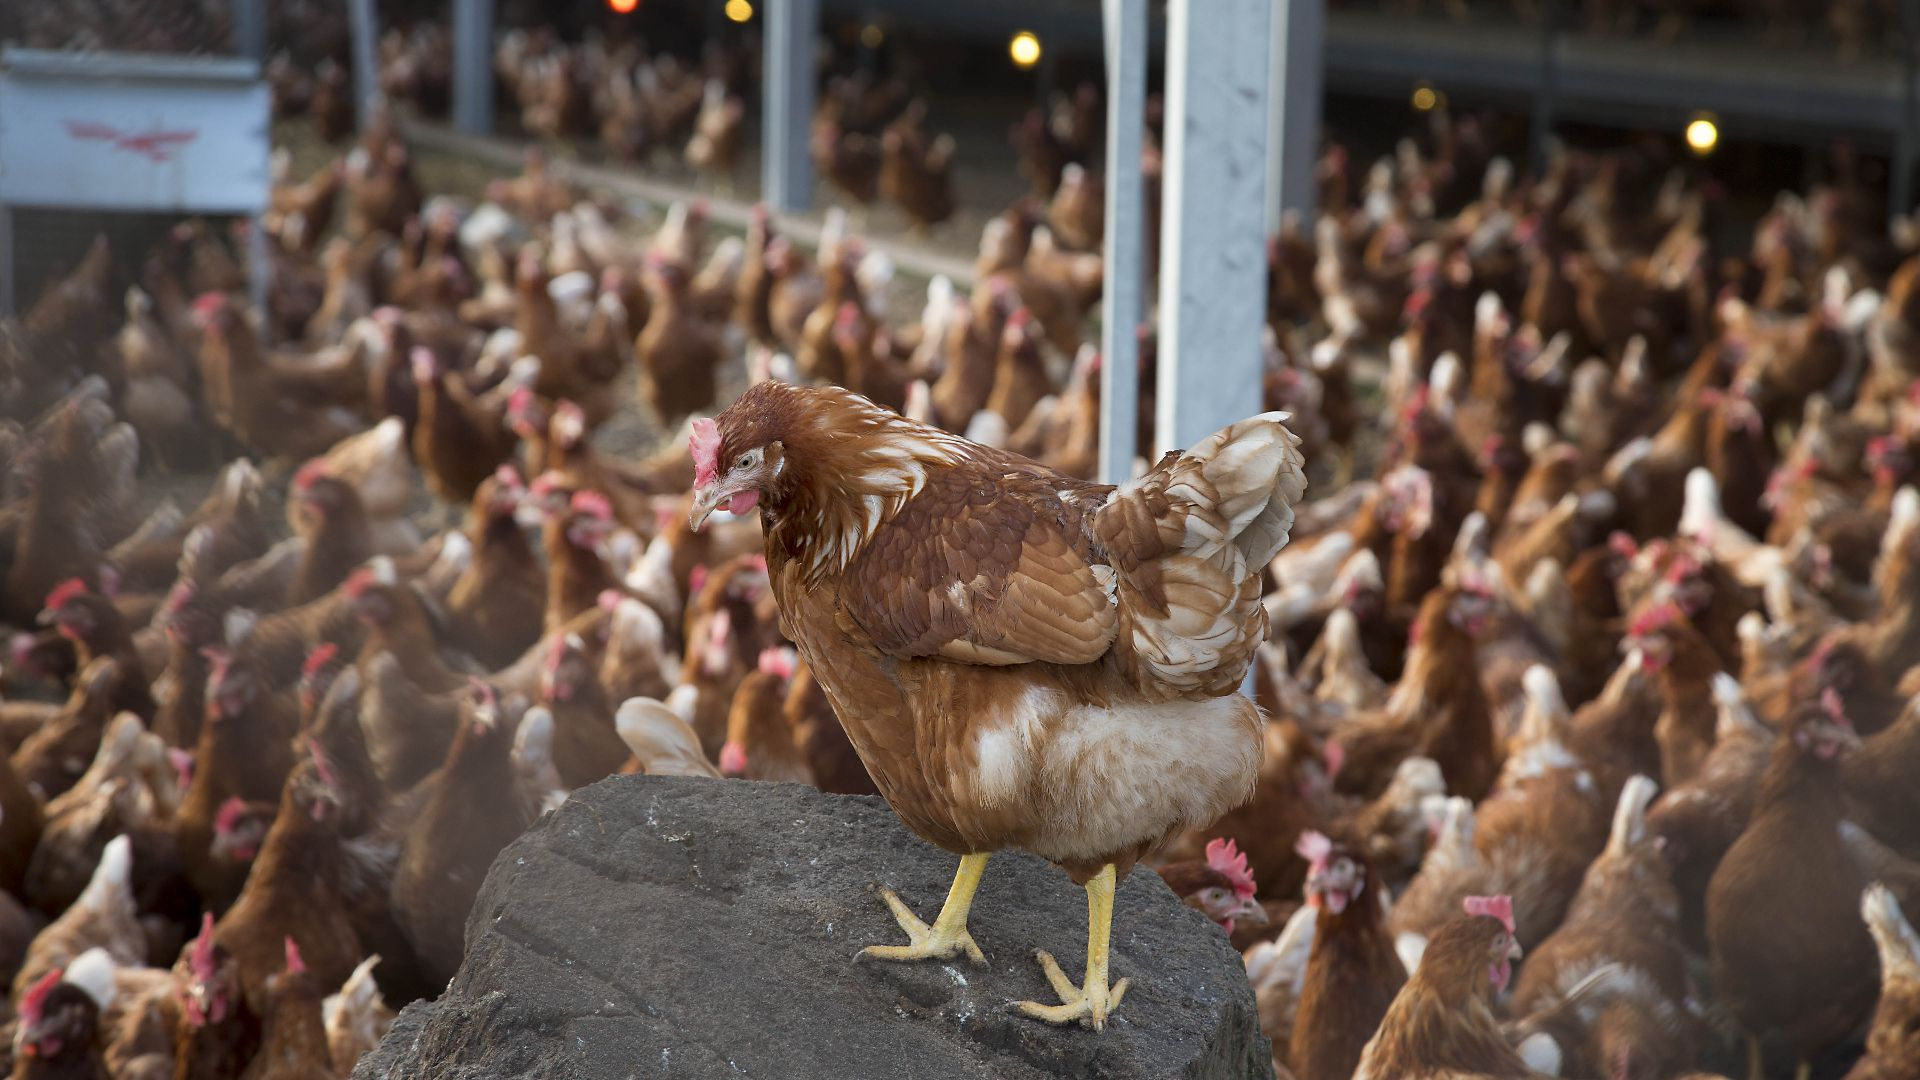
747,460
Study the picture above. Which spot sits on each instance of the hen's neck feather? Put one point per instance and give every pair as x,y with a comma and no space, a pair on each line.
854,466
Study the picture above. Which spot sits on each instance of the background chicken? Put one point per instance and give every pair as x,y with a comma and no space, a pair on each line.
1608,426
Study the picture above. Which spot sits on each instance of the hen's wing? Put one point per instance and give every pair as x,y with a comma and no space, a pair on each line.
986,566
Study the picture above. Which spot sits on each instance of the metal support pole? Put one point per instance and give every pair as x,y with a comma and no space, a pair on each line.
1043,79
1124,261
366,70
1212,249
473,66
1293,109
790,29
259,274
6,260
1900,184
250,28
1542,121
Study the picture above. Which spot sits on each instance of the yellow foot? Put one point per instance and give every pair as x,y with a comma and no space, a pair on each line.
1091,1004
948,935
935,942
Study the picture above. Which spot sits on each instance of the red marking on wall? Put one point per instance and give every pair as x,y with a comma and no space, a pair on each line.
156,146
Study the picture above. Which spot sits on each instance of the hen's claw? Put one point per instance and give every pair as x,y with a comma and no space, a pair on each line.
925,942
1093,1001
947,937
1091,1004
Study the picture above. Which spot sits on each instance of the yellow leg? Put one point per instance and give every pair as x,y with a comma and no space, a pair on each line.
948,935
1093,1001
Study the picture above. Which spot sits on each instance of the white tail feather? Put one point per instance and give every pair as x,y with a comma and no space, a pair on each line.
1630,816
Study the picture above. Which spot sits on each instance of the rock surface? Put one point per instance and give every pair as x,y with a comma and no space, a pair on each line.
667,927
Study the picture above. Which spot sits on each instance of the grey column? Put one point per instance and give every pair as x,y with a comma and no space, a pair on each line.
1296,86
250,28
366,63
1124,255
473,66
1213,245
6,259
790,29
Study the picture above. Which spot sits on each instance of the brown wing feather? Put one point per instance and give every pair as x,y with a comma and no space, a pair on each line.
985,569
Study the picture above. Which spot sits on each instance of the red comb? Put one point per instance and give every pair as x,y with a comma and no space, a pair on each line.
1653,620
1623,545
219,662
230,814
65,591
320,765
34,1003
704,444
295,965
319,658
777,662
1334,756
359,582
1683,566
208,302
1314,847
1498,907
1019,319
201,960
1417,404
507,476
311,471
593,504
519,401
696,580
483,692
609,599
178,597
1224,856
1830,701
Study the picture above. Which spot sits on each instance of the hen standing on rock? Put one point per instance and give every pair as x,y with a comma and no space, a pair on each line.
1021,659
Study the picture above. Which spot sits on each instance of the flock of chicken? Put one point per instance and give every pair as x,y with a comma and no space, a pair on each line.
1855,26
1612,649
868,139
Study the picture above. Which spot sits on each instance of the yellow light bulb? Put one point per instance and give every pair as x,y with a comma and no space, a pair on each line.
739,10
872,36
1425,99
623,7
1024,49
1703,135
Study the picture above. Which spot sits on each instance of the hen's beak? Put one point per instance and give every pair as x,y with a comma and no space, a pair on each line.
705,501
1249,911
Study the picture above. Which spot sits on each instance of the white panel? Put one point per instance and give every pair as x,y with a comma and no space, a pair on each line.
133,144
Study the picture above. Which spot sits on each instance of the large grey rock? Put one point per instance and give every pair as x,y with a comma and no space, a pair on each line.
665,927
